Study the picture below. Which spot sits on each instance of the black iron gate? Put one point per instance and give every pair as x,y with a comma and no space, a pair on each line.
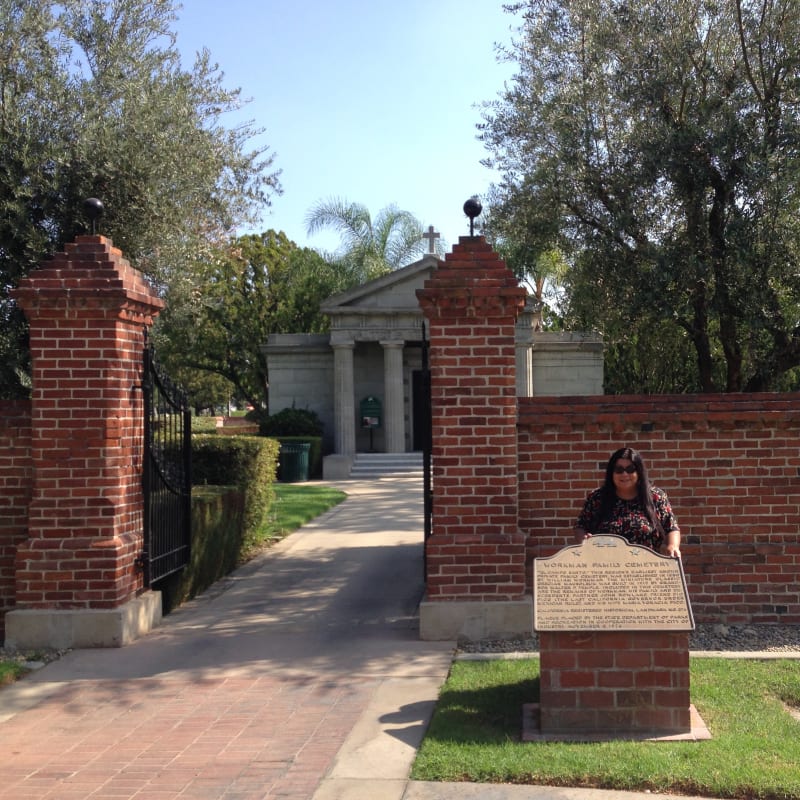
166,478
427,444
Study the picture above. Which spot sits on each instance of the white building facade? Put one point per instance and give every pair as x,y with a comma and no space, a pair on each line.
364,378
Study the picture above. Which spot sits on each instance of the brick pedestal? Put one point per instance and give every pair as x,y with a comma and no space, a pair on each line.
88,310
612,683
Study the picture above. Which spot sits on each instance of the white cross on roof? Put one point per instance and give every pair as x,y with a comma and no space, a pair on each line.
431,236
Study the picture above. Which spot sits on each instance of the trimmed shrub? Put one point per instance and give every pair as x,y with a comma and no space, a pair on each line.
292,422
217,527
247,462
204,424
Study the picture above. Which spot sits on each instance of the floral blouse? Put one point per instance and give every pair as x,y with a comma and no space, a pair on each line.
628,518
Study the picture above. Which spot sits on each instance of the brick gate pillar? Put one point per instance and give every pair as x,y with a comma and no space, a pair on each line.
476,553
77,579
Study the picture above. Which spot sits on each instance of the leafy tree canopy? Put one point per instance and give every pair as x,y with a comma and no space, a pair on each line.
94,101
655,145
540,269
219,316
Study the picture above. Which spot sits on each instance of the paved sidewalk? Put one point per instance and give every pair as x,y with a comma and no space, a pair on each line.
251,690
299,677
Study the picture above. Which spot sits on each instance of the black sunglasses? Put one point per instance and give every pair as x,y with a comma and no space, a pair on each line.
630,469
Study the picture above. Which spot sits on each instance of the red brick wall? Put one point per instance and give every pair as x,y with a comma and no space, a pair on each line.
15,493
729,463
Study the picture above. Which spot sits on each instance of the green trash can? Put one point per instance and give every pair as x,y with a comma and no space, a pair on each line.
293,461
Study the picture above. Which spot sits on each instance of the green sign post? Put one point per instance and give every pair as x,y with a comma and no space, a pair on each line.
371,415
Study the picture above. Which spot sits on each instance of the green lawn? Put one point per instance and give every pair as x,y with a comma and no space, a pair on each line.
754,751
10,671
294,505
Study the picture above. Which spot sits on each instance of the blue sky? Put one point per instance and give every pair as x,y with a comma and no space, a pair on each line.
372,101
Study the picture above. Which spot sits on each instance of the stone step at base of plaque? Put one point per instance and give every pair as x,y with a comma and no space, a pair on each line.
532,731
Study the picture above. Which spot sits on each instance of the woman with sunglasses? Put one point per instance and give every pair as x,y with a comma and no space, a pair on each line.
628,505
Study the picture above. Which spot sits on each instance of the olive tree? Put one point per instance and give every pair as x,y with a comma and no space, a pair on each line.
655,145
95,102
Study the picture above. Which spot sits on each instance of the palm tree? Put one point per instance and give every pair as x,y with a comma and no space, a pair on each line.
370,247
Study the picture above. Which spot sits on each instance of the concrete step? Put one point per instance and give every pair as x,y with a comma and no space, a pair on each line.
367,465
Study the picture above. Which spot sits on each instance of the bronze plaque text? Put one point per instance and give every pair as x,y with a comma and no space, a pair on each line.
607,584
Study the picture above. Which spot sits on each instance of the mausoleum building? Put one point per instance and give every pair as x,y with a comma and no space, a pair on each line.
364,378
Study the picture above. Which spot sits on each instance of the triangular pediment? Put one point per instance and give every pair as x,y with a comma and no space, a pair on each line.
395,291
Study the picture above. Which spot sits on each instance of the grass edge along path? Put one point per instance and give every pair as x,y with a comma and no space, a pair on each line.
754,751
11,670
294,505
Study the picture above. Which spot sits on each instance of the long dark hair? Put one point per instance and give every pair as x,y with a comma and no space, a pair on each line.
643,490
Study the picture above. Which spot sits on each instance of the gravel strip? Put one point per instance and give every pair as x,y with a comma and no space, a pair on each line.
31,659
705,638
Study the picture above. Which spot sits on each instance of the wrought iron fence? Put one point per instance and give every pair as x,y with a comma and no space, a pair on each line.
166,479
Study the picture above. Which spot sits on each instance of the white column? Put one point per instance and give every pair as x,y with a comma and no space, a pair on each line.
393,413
524,343
524,363
344,399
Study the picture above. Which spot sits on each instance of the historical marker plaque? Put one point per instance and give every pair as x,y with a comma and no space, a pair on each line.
607,584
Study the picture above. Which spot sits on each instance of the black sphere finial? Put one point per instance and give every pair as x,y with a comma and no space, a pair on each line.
472,208
93,209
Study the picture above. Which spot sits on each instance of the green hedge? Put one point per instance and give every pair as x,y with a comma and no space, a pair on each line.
247,462
204,424
217,526
232,494
289,422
